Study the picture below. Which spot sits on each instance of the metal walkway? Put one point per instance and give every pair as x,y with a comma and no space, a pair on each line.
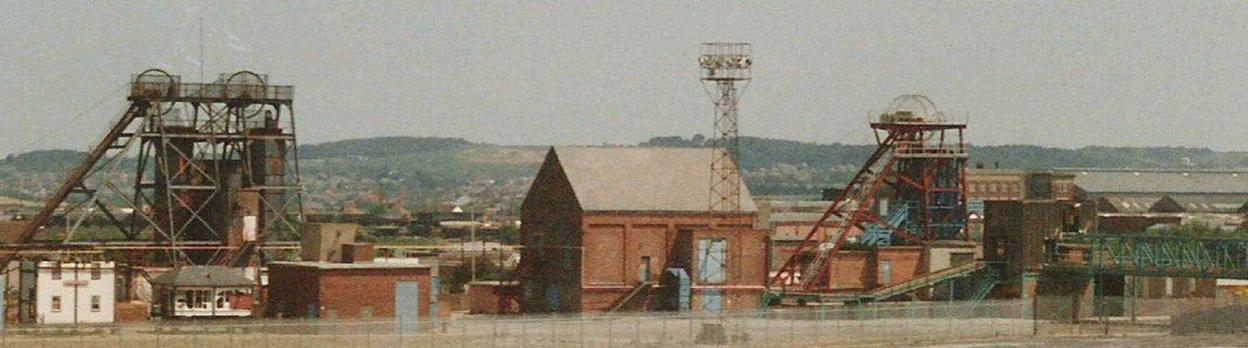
923,281
1160,256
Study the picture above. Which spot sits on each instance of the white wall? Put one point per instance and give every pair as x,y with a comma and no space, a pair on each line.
75,289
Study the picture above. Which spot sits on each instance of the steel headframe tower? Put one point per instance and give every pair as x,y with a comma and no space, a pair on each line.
918,166
725,74
210,181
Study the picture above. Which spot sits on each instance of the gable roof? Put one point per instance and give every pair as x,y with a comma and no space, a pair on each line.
1159,181
1190,203
1126,204
641,178
203,276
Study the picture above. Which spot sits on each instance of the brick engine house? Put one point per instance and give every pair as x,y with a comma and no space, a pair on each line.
607,229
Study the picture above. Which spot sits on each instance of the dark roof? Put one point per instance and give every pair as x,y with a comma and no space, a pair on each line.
204,276
365,265
1204,203
1127,204
642,178
1160,181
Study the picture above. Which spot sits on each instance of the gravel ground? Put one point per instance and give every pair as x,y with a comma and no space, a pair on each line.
1167,341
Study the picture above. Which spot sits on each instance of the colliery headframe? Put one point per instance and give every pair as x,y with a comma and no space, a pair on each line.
215,173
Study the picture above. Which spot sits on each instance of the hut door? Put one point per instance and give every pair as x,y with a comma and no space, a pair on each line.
407,306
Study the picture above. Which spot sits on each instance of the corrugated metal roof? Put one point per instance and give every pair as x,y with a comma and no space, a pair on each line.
204,276
642,178
1160,181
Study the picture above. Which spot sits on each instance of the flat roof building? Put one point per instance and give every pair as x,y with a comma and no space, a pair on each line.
350,290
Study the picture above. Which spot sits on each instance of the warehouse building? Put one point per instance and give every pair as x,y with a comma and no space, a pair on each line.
1132,200
629,229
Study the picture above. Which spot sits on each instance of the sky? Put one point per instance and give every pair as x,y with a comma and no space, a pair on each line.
1063,74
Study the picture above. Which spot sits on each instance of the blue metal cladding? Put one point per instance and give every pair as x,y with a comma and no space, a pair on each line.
713,261
435,287
552,297
407,306
712,301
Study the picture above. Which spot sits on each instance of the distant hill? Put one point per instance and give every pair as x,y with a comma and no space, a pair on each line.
420,171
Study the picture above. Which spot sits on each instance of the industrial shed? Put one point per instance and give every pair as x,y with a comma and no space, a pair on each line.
310,289
614,228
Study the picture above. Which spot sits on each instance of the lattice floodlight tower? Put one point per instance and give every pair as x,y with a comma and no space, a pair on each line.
210,178
725,75
910,191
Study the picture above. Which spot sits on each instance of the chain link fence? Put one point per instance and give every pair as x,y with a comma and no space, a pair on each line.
880,323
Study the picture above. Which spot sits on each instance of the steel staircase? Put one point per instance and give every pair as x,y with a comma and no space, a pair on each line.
638,289
924,281
881,235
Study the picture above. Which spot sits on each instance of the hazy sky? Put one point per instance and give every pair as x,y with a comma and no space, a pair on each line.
1057,74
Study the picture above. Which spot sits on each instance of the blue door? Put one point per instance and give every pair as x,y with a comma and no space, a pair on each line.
406,306
712,301
552,298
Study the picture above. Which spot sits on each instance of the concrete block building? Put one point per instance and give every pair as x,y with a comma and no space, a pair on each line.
603,227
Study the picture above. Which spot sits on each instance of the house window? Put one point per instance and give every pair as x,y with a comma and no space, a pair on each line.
95,271
95,303
56,271
56,304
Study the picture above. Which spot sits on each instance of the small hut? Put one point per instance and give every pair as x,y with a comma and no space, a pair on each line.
204,291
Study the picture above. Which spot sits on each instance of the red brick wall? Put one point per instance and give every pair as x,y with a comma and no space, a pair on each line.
908,263
851,270
343,291
290,290
492,299
616,242
346,293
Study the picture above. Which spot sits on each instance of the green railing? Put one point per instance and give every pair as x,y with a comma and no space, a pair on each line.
1168,256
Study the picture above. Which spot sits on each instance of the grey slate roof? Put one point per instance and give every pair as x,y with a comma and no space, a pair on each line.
1159,181
642,178
203,276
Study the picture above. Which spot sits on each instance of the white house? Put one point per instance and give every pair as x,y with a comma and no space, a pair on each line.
74,293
